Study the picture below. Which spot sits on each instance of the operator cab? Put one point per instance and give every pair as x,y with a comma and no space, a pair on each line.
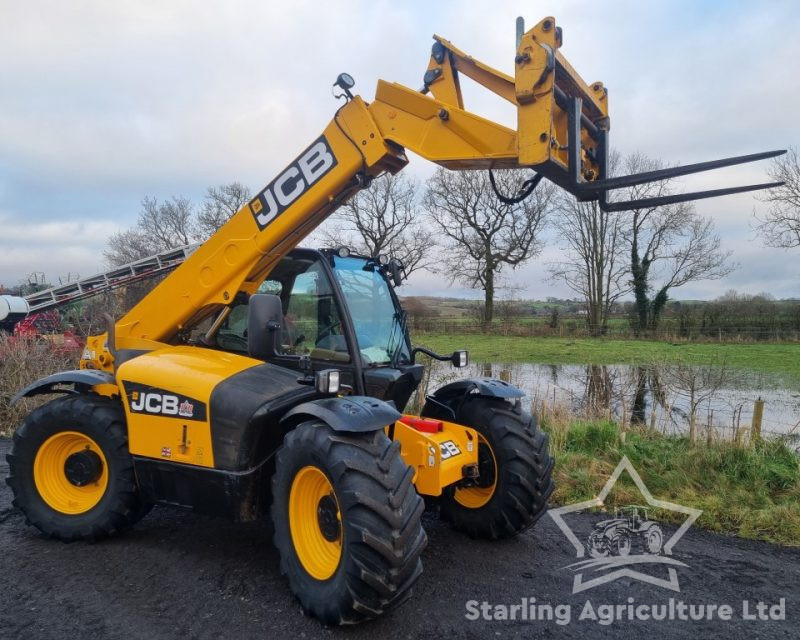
339,311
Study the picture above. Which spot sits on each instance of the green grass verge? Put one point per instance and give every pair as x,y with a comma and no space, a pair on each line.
750,492
778,358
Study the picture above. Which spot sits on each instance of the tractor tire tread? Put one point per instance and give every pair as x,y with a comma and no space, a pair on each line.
381,516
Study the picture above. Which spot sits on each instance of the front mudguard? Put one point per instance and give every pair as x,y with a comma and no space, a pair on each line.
444,402
353,414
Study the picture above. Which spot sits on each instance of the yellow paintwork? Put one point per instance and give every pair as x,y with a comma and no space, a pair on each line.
494,80
108,390
51,481
423,452
464,140
534,92
320,557
184,371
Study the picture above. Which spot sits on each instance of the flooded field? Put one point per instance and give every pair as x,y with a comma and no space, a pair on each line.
664,396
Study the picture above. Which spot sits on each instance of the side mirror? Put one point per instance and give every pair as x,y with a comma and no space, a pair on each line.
460,359
264,316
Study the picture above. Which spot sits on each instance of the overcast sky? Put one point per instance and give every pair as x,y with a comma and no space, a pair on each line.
103,103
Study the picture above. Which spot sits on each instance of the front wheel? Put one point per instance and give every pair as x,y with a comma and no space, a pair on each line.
515,472
347,522
71,472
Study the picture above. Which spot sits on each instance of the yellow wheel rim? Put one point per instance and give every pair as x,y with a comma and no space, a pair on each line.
315,523
476,497
50,476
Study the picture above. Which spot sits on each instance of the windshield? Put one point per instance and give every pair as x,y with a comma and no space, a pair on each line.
378,323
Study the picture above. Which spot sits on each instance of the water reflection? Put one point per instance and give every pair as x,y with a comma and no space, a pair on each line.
670,398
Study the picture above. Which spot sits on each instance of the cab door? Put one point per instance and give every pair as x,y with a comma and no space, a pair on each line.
314,325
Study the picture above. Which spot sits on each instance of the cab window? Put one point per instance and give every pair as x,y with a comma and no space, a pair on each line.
311,321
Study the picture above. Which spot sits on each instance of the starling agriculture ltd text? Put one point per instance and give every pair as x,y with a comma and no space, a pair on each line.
528,609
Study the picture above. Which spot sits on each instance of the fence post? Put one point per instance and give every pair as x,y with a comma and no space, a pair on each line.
758,415
710,428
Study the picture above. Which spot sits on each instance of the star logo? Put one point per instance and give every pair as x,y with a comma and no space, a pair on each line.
611,542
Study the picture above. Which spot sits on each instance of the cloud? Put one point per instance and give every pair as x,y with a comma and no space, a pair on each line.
56,248
105,103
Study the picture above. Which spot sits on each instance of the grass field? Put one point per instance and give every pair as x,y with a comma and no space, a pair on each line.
778,358
749,492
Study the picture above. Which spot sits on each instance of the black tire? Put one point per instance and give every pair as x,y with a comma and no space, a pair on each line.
102,420
524,473
381,529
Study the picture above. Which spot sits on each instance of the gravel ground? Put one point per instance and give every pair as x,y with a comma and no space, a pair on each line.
178,575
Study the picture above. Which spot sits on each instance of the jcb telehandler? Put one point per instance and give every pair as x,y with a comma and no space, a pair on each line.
260,379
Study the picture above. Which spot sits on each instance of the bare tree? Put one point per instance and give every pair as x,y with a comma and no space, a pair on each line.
176,222
780,227
160,226
171,223
671,245
220,205
595,267
483,234
384,219
128,246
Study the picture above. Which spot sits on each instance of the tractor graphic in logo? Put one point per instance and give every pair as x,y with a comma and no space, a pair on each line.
629,530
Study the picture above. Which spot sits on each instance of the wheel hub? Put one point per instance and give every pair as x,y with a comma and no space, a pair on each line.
329,524
83,467
70,472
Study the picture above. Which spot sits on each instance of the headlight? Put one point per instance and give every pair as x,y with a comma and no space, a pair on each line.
327,381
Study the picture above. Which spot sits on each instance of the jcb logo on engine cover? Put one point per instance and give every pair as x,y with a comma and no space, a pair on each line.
293,182
160,402
449,449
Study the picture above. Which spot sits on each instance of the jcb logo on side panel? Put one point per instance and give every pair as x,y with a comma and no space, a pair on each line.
160,402
293,182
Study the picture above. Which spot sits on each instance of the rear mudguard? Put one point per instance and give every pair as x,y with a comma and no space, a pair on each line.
76,381
354,414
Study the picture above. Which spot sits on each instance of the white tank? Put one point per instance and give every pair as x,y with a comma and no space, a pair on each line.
12,309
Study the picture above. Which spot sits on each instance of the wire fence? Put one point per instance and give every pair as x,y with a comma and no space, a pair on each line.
525,326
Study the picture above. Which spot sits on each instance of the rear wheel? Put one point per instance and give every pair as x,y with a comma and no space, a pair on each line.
515,472
71,472
347,522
